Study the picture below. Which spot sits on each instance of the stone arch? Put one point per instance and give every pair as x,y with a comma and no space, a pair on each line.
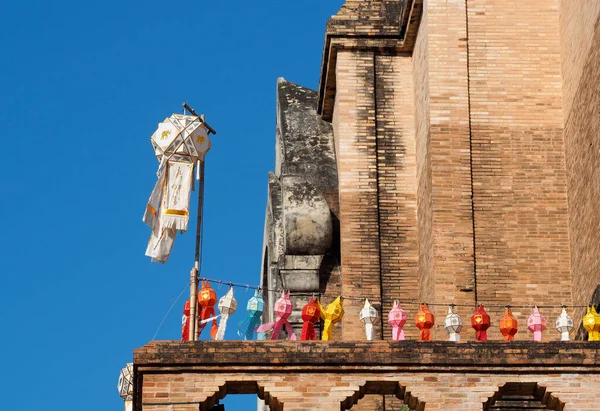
523,395
241,387
383,388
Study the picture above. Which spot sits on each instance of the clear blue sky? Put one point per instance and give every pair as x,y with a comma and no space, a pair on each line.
82,87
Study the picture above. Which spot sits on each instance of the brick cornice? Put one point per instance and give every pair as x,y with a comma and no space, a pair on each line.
367,32
384,356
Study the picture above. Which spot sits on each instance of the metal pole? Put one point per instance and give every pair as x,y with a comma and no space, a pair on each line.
196,270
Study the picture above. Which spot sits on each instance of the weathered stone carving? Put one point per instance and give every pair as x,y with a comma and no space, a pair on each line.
302,197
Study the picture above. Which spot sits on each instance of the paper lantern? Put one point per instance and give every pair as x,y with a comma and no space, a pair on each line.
564,324
424,320
453,324
179,143
227,306
397,319
480,321
310,315
255,309
368,315
185,321
283,309
125,385
536,323
207,298
591,323
331,316
508,325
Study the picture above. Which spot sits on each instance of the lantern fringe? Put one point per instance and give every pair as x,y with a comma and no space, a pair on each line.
253,324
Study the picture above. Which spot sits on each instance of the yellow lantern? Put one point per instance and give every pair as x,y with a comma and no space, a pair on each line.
591,323
331,315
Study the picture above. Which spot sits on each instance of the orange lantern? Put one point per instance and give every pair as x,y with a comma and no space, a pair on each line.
310,315
424,321
508,325
207,298
480,321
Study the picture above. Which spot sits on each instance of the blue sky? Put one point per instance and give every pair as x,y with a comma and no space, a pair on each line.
83,86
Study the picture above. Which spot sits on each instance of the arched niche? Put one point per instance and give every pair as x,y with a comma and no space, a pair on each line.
391,388
241,387
514,396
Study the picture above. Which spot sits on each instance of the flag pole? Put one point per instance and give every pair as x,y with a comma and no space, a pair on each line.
195,272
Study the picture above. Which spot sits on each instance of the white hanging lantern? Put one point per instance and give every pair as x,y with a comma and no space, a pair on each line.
564,324
227,306
453,324
125,386
180,142
368,315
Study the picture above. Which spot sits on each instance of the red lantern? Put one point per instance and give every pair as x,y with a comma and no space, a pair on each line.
480,322
424,321
310,315
185,321
508,325
207,298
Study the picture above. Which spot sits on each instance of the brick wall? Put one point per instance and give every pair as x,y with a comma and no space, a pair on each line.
580,40
356,153
443,160
322,376
397,185
519,176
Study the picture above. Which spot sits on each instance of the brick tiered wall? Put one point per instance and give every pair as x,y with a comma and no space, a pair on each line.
294,376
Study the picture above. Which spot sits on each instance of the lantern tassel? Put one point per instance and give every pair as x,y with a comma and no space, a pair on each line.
253,323
276,326
308,332
222,327
398,334
370,332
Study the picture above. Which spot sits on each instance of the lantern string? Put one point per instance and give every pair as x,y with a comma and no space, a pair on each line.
169,311
391,300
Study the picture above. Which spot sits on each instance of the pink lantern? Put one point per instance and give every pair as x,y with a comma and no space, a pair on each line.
536,323
283,309
397,319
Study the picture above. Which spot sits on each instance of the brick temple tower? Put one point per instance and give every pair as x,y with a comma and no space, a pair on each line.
450,155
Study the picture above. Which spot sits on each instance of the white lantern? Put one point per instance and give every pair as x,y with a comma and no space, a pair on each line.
564,325
368,315
125,385
453,324
227,306
180,142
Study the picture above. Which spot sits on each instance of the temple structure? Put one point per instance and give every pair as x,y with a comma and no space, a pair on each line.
450,155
